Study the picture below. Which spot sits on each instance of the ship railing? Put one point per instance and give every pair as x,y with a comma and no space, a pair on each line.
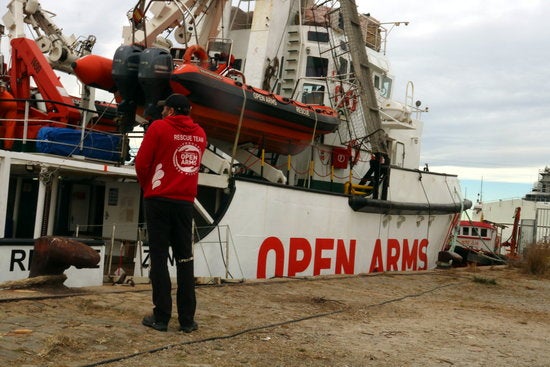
387,117
342,95
27,127
126,241
129,240
220,236
331,84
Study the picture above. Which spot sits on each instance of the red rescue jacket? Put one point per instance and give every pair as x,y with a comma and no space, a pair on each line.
169,158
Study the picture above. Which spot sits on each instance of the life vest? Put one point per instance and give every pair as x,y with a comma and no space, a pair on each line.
8,114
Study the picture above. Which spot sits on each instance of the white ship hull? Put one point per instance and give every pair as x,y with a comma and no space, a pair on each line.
273,231
270,230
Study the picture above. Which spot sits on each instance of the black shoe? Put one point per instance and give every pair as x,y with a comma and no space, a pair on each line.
150,321
189,328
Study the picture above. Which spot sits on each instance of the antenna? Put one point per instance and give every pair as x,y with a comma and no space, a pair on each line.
480,195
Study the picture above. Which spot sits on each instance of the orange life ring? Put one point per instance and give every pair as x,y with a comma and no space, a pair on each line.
347,99
197,51
338,93
351,100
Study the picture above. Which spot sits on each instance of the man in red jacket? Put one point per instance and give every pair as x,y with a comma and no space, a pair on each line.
167,166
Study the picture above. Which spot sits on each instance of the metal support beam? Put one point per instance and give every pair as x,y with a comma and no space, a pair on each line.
357,47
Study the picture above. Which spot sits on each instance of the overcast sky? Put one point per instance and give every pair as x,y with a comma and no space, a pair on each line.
483,69
481,66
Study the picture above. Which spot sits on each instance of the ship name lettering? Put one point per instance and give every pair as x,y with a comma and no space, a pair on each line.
337,256
21,258
18,258
146,263
411,254
303,111
329,255
261,97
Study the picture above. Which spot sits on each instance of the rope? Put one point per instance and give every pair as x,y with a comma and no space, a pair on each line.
428,201
237,135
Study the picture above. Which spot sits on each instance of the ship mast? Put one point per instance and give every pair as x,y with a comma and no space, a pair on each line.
362,71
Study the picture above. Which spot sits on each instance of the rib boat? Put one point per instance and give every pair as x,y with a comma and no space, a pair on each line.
277,124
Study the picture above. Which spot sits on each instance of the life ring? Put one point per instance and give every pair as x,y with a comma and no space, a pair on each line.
345,99
197,51
351,100
337,95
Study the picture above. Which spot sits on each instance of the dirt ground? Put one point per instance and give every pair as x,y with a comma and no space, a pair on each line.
470,317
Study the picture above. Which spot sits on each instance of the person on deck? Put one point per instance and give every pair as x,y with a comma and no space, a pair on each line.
167,166
378,170
374,169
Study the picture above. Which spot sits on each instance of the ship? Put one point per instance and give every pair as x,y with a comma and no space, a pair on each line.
296,99
480,243
534,206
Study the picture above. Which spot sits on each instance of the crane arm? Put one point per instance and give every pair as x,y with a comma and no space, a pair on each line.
62,50
28,62
149,22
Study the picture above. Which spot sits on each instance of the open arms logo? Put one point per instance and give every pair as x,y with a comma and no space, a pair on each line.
187,159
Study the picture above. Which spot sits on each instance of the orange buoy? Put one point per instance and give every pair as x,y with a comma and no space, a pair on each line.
198,52
95,71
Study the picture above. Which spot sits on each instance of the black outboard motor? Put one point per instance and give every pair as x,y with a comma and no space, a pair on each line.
125,75
155,68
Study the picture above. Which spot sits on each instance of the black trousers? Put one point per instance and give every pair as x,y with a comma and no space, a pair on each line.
169,224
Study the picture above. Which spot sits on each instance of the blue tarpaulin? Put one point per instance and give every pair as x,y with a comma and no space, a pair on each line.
66,142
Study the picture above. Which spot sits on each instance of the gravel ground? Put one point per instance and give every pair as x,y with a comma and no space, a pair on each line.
470,317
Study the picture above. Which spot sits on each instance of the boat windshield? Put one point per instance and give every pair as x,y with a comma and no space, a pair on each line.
313,94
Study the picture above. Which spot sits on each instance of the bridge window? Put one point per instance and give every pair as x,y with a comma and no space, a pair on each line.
385,87
342,68
316,66
317,36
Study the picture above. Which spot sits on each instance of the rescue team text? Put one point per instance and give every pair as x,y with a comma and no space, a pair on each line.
339,257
